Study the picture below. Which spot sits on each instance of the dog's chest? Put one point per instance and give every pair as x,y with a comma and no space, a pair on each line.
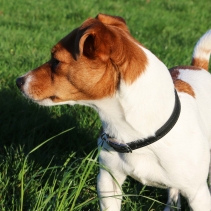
144,167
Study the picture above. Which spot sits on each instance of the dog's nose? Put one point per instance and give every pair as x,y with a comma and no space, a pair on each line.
20,82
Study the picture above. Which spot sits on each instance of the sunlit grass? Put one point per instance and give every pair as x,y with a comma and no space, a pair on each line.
60,174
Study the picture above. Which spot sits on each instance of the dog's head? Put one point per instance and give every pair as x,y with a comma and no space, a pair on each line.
87,64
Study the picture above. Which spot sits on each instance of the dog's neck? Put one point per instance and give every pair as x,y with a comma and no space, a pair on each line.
138,110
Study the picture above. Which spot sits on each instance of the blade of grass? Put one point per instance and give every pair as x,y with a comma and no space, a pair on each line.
23,170
90,164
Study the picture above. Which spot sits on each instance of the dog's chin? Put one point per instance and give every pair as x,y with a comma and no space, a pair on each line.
45,102
49,102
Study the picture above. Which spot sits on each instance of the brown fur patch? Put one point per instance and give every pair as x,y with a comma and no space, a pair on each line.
200,63
89,62
113,41
174,74
180,85
113,20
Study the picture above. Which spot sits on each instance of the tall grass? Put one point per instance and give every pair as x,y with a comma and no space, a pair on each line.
60,174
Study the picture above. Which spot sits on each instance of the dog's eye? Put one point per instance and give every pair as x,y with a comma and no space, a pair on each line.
54,64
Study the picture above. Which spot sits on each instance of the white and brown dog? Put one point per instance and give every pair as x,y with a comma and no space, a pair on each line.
150,133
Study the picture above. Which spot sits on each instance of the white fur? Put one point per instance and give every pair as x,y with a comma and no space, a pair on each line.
202,49
26,86
179,160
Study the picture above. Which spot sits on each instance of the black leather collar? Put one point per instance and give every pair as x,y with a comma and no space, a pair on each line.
126,148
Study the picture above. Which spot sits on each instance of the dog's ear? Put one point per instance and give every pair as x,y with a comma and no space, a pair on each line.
94,40
113,20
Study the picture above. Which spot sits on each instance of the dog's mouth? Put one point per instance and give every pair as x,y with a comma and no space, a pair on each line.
48,101
44,101
53,98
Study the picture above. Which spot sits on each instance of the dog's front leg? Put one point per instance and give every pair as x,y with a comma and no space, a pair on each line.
109,190
174,203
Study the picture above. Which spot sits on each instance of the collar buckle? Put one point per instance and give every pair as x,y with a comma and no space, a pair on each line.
119,147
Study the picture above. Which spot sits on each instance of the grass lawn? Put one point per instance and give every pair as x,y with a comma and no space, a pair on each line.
48,157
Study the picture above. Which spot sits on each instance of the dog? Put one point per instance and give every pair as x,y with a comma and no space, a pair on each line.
156,122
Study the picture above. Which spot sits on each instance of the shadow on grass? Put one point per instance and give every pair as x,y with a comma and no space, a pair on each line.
26,124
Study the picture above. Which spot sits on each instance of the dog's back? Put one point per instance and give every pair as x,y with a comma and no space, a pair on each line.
196,80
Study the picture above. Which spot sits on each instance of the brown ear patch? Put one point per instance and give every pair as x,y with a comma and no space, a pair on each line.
113,20
107,39
94,58
94,40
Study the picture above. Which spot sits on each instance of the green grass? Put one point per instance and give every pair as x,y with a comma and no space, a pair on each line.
61,173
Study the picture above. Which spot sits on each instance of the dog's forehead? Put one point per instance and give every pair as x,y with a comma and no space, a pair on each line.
66,46
61,53
69,38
